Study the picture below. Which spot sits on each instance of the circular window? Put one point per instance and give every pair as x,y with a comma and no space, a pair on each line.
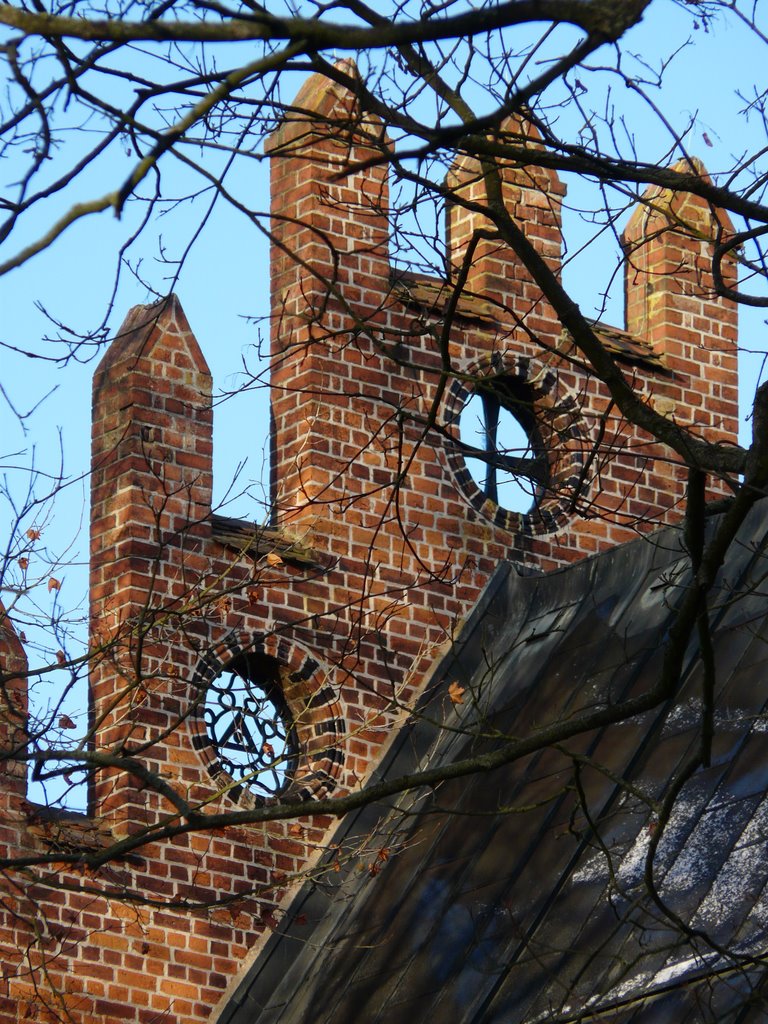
502,445
266,721
519,445
249,724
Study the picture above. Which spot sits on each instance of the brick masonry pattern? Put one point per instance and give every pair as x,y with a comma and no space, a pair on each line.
364,472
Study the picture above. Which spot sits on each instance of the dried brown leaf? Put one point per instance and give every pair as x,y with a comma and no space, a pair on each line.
455,693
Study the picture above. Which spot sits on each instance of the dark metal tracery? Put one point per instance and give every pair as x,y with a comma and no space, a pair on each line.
250,725
507,394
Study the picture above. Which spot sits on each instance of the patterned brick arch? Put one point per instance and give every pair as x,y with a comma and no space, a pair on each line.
312,705
564,436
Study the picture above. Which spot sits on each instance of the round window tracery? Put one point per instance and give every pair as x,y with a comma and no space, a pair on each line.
250,725
520,444
266,721
502,445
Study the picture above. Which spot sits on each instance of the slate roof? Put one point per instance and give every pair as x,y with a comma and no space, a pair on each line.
517,896
258,541
433,297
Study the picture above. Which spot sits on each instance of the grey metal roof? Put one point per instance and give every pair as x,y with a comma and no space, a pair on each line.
518,895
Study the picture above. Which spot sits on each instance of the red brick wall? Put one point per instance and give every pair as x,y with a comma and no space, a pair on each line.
361,377
671,302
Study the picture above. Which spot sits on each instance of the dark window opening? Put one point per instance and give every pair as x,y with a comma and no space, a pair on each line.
502,444
249,724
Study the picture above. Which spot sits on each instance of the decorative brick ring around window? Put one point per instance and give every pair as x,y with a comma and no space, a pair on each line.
267,723
557,442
